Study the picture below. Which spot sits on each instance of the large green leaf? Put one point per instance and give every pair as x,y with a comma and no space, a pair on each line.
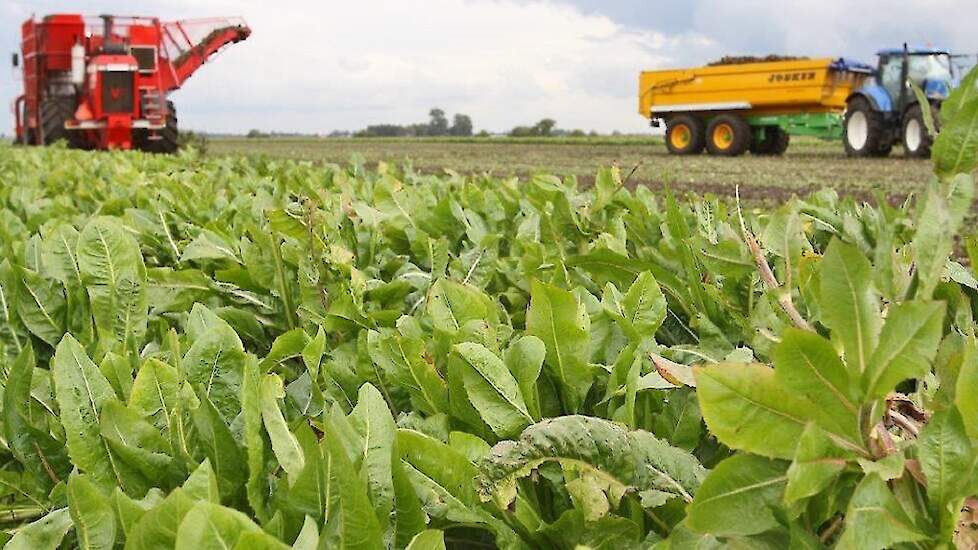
154,393
956,147
966,397
42,306
372,419
849,305
907,345
817,463
81,392
747,409
92,515
491,388
808,365
875,520
209,526
351,521
284,444
401,353
43,534
112,268
525,358
556,318
214,364
624,461
739,497
948,460
641,311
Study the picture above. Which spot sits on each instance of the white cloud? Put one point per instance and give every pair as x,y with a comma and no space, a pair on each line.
318,66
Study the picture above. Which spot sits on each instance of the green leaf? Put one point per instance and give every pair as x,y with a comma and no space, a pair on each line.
431,539
372,419
220,446
43,534
401,353
139,450
284,444
42,306
747,409
948,460
214,366
308,538
92,515
154,393
817,463
112,268
739,497
627,461
257,485
491,389
644,306
525,358
680,422
907,346
81,391
556,318
808,365
956,147
849,305
209,246
209,526
451,305
351,523
875,520
966,396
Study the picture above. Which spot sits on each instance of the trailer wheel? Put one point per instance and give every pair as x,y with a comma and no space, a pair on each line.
863,130
728,136
684,135
775,142
55,112
166,140
917,141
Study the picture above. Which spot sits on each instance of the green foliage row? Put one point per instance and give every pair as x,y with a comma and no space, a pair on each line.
244,353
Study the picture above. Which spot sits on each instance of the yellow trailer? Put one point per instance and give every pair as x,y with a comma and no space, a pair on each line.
730,109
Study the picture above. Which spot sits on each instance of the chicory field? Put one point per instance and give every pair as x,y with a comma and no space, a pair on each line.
246,353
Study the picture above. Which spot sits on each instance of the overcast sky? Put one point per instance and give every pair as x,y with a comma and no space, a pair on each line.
318,66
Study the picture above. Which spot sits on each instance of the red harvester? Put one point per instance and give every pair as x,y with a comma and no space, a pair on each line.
103,83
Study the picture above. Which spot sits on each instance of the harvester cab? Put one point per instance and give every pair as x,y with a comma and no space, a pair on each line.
885,111
103,83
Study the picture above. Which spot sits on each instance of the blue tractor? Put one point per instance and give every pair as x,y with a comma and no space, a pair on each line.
885,111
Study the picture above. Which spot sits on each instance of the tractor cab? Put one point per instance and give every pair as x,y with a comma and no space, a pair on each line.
930,69
886,112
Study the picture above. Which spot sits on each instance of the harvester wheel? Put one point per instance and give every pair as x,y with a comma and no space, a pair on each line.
728,136
167,141
775,142
54,112
684,135
863,130
917,141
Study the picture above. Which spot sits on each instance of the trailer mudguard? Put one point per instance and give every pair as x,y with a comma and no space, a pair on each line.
877,96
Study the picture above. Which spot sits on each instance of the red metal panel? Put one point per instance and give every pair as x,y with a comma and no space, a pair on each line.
59,34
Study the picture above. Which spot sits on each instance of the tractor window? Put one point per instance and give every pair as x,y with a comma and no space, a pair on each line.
930,67
891,74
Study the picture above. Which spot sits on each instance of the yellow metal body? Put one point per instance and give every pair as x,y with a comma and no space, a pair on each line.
773,88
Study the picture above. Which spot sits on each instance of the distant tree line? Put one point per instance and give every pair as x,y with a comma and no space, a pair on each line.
547,128
437,125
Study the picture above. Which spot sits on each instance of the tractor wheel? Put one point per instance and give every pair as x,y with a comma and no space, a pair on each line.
917,141
166,140
775,142
728,136
55,112
863,130
684,135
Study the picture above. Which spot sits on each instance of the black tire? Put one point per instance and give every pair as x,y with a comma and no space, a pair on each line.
917,140
863,130
55,112
684,135
728,136
166,140
775,142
